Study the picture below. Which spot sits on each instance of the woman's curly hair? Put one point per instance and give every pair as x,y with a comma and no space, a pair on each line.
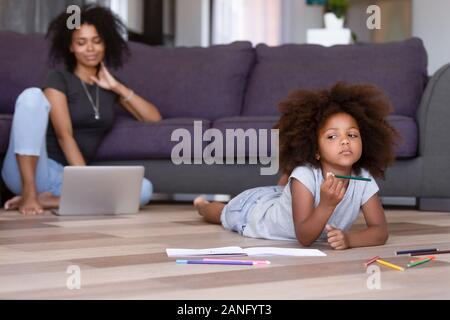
305,112
109,27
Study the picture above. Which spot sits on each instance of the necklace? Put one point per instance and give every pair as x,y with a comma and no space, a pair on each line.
96,106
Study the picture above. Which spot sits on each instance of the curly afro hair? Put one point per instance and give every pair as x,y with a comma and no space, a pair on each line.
109,27
304,113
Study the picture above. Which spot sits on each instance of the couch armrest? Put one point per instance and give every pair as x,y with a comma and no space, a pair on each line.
434,131
434,114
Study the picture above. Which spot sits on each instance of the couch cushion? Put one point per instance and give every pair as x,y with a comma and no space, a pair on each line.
255,124
117,142
23,64
133,140
406,127
191,82
408,130
399,68
182,82
5,128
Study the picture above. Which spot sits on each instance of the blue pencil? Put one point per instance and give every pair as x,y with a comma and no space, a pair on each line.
415,251
239,263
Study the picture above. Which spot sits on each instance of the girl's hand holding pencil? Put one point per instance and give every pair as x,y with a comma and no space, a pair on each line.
332,191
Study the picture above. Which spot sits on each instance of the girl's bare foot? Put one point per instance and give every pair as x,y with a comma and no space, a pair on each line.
210,211
199,203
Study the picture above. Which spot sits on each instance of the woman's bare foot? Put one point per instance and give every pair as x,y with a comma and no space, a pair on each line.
45,200
48,200
29,205
199,203
13,203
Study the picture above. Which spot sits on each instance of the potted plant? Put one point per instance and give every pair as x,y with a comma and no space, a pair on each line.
335,11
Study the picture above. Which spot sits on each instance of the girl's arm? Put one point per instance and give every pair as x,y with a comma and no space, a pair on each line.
377,232
62,124
140,108
309,222
283,180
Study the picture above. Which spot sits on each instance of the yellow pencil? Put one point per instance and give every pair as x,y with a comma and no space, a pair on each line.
390,265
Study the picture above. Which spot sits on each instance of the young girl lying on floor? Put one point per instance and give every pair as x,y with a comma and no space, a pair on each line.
323,134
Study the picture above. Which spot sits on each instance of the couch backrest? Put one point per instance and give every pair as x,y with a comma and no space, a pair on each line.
191,82
210,82
23,64
398,68
182,82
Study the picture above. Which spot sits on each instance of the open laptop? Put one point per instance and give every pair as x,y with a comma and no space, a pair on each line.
97,190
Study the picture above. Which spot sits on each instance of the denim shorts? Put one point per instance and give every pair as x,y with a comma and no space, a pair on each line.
236,213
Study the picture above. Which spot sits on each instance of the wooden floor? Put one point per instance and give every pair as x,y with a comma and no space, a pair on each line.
124,257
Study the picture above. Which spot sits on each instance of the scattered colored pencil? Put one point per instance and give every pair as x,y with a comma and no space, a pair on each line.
416,263
419,259
390,265
415,251
255,262
229,262
426,253
353,178
372,260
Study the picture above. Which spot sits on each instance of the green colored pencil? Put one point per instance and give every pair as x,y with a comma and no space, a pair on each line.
413,264
354,178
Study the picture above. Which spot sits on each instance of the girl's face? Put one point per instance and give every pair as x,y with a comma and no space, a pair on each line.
340,144
87,46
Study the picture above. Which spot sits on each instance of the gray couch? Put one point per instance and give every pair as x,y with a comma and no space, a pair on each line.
239,86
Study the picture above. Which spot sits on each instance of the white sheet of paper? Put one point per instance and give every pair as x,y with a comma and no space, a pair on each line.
252,251
205,252
275,251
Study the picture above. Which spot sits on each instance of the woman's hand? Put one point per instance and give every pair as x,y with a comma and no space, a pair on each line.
105,80
332,191
140,108
337,238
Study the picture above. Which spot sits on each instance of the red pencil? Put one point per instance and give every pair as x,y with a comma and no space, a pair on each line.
372,260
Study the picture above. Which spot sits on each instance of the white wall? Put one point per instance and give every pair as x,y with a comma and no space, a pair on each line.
168,23
135,15
297,17
192,23
257,21
431,23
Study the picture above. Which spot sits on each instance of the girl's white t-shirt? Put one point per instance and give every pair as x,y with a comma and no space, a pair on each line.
273,219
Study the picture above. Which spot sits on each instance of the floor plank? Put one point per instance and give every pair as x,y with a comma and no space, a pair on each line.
123,257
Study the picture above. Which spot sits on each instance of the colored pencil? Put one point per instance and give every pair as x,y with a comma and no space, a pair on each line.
420,259
238,263
372,260
390,265
415,251
426,253
254,261
416,263
353,178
